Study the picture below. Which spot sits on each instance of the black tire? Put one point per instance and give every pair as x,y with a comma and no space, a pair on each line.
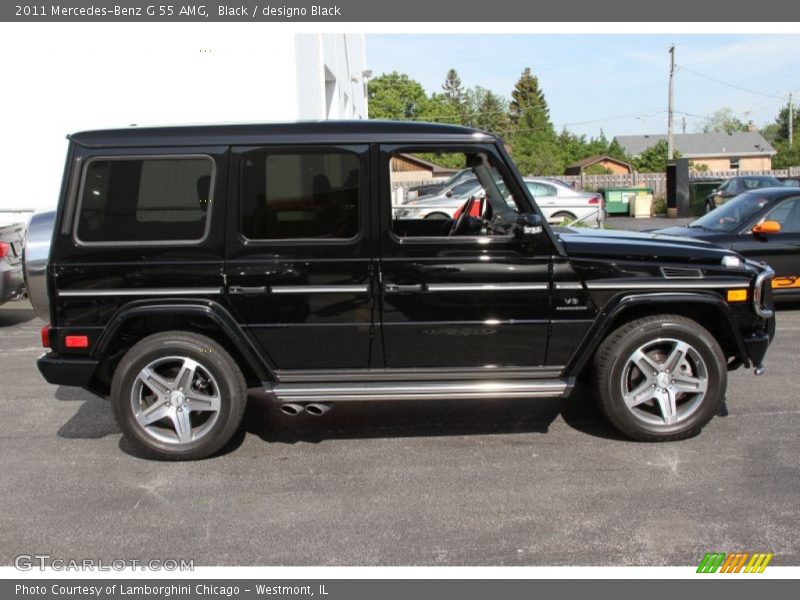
613,375
563,217
214,362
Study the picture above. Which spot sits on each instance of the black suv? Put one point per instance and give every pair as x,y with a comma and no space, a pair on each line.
189,264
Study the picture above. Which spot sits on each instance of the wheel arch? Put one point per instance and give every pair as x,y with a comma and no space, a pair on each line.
137,320
704,307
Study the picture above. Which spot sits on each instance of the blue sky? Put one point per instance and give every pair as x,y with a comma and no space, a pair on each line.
614,82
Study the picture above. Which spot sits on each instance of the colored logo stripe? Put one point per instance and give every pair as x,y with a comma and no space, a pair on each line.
758,563
733,563
711,562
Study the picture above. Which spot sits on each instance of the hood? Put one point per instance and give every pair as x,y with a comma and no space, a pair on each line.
690,232
631,245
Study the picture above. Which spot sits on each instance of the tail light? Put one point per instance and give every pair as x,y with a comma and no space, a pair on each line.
76,341
5,249
46,336
594,200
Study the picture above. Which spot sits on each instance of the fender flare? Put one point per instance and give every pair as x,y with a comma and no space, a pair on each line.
624,302
207,309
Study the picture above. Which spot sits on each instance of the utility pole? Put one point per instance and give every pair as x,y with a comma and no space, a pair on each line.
670,138
791,120
683,124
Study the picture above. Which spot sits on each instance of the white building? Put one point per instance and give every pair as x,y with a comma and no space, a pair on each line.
69,77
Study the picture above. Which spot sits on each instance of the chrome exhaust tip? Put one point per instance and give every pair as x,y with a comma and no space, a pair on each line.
291,409
317,409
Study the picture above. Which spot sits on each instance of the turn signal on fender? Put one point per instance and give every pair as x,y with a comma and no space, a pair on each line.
737,295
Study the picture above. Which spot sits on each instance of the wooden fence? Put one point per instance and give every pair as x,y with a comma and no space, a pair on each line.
593,183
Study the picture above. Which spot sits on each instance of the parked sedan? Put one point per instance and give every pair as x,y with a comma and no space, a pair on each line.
764,225
561,204
432,189
11,280
738,185
443,205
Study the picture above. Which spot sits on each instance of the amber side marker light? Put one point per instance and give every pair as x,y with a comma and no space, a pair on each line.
76,341
737,295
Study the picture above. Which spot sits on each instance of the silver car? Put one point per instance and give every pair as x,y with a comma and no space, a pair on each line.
11,280
561,204
442,205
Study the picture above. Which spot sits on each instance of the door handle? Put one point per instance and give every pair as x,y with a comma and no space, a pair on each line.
244,290
394,288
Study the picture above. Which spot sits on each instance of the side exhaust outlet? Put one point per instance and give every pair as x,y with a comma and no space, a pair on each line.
291,409
317,409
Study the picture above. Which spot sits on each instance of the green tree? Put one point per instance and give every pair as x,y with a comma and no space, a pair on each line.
782,121
395,96
722,121
452,88
788,155
616,150
489,111
438,109
573,147
533,138
654,159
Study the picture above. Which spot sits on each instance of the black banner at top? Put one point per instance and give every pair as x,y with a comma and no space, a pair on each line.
731,11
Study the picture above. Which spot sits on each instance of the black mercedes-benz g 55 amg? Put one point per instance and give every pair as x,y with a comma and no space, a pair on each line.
189,264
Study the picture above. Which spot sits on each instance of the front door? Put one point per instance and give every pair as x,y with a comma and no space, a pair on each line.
780,250
459,288
298,265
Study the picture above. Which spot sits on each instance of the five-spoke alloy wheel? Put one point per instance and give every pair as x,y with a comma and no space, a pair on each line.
660,378
178,395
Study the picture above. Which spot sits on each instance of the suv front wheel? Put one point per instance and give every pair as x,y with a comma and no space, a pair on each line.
178,396
660,378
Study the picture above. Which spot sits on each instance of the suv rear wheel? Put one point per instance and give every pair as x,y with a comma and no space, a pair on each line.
660,378
178,396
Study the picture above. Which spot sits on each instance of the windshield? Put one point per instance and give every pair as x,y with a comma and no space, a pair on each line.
733,214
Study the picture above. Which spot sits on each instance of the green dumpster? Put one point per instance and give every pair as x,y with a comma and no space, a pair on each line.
699,189
619,201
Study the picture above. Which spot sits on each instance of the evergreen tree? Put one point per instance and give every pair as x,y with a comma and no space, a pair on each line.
489,112
616,150
782,121
533,139
452,88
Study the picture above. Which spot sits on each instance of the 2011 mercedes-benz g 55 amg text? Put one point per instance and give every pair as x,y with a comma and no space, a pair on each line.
189,264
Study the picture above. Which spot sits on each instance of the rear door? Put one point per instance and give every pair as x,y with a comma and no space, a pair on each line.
298,266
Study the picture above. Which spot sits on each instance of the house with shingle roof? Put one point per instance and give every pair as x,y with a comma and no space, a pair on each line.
608,163
740,150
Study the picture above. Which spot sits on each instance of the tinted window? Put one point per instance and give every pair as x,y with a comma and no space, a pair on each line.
733,214
787,213
300,195
145,200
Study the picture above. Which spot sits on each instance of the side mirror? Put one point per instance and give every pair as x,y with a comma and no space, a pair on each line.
766,227
529,226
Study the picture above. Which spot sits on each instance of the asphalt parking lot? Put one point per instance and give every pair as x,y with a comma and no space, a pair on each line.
536,482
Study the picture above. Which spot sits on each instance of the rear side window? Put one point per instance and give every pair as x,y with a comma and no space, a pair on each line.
145,200
303,195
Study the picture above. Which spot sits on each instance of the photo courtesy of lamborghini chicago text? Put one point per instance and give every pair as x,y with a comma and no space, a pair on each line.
418,299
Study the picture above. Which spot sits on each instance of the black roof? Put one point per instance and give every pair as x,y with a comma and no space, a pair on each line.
276,133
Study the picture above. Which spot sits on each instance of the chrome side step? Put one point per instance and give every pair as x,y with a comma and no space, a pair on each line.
421,390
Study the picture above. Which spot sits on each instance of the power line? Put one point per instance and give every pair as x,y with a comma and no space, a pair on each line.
728,84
